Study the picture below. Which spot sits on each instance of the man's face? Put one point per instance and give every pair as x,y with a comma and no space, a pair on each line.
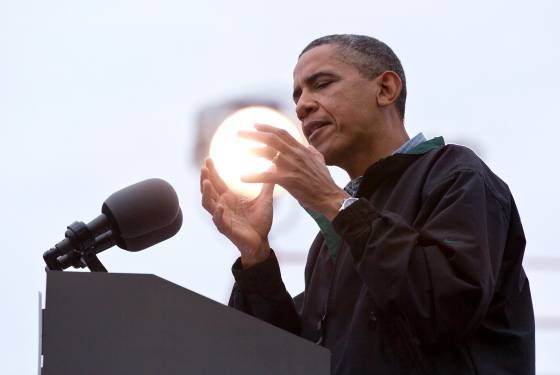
336,105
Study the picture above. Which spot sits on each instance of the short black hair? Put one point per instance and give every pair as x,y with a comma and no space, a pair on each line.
369,55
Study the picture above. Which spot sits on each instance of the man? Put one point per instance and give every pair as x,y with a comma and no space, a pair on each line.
417,267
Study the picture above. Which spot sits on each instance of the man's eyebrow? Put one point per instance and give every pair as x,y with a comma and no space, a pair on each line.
310,80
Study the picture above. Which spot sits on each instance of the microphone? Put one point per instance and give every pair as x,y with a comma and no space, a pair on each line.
133,218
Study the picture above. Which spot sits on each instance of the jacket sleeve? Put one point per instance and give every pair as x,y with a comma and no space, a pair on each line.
259,291
440,271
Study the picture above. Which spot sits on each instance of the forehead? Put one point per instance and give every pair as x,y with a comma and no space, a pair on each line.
327,57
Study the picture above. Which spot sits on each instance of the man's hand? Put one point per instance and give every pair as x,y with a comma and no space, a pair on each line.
300,170
245,222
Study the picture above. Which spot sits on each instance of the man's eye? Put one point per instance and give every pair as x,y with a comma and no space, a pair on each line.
322,84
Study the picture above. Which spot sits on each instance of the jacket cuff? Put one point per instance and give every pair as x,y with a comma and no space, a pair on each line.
353,224
262,278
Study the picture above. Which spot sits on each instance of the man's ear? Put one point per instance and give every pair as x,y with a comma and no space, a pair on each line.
389,88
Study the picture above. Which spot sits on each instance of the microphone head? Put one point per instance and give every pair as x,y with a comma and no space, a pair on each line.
143,214
153,237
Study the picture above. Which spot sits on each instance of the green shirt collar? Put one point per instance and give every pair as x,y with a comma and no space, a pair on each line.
429,145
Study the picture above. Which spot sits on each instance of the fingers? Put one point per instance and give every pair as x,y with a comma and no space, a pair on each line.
268,139
218,219
210,201
210,186
203,176
212,174
209,197
267,190
276,138
315,153
271,176
281,133
264,152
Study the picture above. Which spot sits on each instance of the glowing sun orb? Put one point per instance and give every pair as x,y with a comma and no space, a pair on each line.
231,153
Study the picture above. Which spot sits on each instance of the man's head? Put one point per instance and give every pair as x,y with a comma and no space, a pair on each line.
349,92
369,55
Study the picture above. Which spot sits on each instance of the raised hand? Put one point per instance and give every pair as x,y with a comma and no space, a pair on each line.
245,222
299,169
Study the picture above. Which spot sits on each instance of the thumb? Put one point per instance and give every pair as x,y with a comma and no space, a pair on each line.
266,191
268,187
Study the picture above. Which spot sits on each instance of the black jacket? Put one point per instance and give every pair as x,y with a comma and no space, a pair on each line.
428,279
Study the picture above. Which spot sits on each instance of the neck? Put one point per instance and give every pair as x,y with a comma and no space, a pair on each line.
381,146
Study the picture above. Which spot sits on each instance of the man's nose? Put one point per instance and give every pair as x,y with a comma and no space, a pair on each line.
305,105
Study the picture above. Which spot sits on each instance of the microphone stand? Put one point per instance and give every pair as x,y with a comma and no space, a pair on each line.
79,249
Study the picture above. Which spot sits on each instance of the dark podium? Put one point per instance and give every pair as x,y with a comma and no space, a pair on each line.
104,323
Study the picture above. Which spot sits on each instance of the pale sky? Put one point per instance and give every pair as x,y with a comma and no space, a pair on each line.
97,95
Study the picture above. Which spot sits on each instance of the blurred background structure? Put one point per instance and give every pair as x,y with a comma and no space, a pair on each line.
97,95
209,119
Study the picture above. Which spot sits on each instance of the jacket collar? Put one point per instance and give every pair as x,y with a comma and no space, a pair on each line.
394,164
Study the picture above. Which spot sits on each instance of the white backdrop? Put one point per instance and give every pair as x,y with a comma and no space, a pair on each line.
96,95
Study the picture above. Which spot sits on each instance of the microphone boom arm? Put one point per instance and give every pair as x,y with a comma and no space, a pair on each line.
79,249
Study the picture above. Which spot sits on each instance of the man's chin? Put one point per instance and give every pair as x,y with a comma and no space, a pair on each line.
328,155
331,156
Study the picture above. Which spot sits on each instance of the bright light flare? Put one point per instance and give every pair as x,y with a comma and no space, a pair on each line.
231,153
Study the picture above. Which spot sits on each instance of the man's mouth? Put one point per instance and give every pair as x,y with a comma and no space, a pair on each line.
311,127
